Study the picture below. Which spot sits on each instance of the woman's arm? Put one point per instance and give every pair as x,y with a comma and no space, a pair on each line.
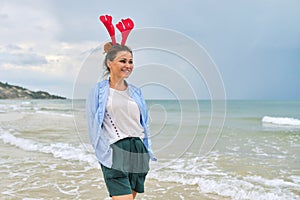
92,118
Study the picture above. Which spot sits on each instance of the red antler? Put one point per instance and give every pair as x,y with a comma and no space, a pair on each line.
107,21
125,26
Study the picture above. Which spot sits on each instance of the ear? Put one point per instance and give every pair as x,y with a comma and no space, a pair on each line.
108,63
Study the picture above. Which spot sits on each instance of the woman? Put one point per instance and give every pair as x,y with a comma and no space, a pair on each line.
118,126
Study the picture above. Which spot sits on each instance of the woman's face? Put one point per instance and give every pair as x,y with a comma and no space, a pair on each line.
122,65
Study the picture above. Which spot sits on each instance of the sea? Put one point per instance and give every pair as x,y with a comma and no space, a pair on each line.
247,150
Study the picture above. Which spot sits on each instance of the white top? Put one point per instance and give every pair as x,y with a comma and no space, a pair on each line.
122,117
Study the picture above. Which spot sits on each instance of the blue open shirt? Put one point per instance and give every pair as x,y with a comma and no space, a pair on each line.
95,108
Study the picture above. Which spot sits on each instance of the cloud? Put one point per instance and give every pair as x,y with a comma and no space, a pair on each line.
50,39
25,21
22,59
31,51
40,67
12,47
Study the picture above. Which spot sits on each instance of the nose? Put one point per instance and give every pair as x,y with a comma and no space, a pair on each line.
129,65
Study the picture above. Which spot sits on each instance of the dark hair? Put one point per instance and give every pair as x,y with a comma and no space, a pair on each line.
111,53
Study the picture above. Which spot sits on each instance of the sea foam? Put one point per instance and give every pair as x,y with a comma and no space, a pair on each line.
284,121
226,184
64,151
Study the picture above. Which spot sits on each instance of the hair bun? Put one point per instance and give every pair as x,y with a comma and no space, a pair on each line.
107,47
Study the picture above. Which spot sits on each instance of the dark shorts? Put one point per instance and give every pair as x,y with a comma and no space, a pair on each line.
130,167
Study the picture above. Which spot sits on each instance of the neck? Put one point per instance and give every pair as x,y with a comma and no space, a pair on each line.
117,83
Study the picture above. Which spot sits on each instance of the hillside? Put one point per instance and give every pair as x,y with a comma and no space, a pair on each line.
8,91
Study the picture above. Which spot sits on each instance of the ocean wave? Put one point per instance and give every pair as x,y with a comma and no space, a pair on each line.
26,103
8,108
54,113
28,107
283,121
212,181
58,150
204,173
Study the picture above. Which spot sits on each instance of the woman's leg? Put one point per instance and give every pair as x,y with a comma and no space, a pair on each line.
133,194
123,197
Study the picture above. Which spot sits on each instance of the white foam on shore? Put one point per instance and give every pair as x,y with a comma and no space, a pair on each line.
54,113
8,108
58,150
202,173
26,103
234,187
284,121
27,107
212,181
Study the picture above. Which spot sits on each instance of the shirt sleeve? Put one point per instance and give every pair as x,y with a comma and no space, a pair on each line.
91,112
147,139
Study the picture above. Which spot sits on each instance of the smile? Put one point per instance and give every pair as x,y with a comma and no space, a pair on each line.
126,70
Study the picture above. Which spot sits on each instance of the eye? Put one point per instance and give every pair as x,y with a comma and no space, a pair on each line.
130,62
123,61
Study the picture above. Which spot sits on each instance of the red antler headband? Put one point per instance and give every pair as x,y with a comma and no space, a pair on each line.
107,21
124,26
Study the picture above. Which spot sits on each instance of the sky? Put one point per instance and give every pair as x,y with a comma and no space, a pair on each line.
255,45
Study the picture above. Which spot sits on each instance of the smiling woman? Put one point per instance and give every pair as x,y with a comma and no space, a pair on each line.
118,126
118,120
119,64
